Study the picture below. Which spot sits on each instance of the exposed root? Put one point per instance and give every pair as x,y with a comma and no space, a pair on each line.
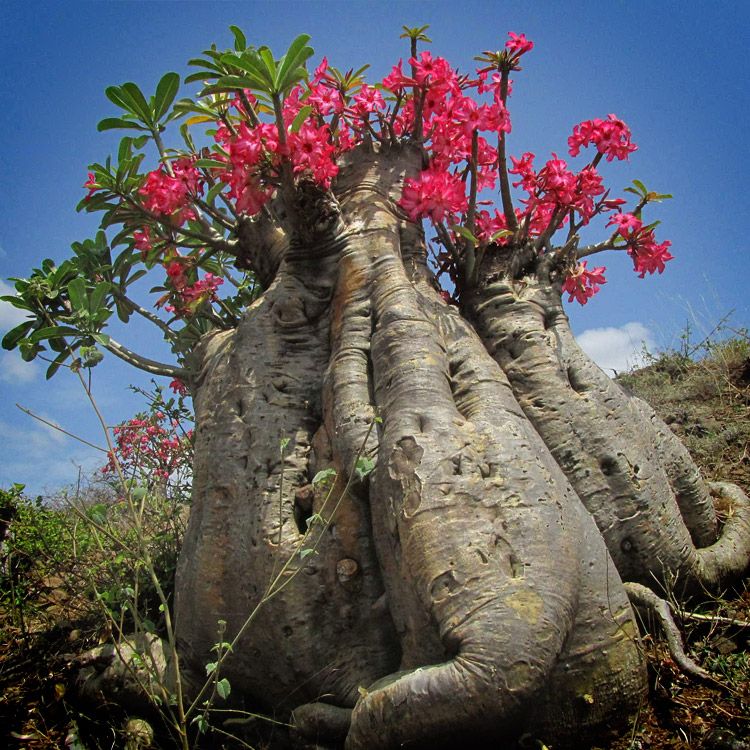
730,554
322,722
644,598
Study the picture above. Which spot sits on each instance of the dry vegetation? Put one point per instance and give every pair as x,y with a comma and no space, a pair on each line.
55,574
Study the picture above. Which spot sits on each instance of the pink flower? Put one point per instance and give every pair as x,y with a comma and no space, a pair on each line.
524,167
582,285
626,224
610,136
325,99
312,152
487,225
162,193
396,81
368,99
557,181
176,274
320,72
518,44
143,241
203,289
434,194
648,256
433,71
91,185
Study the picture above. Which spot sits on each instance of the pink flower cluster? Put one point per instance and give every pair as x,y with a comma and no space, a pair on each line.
450,121
436,194
461,122
312,152
647,255
610,136
255,155
518,44
170,194
554,191
91,185
582,284
187,297
178,387
152,445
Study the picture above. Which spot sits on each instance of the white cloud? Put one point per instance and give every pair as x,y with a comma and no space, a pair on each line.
619,349
14,370
9,316
41,457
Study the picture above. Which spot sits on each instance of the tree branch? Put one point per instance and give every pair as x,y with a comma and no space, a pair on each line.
135,307
598,248
502,162
60,429
146,364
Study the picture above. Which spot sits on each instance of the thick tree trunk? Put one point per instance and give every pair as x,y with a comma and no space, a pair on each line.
462,593
634,477
324,633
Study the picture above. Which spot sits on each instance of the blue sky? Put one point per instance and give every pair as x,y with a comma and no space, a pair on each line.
675,72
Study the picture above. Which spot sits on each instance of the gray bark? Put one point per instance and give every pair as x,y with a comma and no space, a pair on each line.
643,490
462,593
324,633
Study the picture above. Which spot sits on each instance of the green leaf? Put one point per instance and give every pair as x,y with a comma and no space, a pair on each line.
315,518
500,233
166,90
116,96
11,339
111,123
640,187
210,164
56,364
250,63
97,296
223,688
101,338
302,115
29,350
364,466
139,101
657,197
292,62
211,667
51,332
465,233
283,443
303,553
202,723
77,294
21,286
324,476
269,65
240,43
238,82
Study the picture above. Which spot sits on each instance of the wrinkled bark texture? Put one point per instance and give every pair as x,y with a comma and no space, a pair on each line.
653,509
469,590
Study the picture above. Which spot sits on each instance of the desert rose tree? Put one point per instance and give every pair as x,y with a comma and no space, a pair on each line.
393,419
